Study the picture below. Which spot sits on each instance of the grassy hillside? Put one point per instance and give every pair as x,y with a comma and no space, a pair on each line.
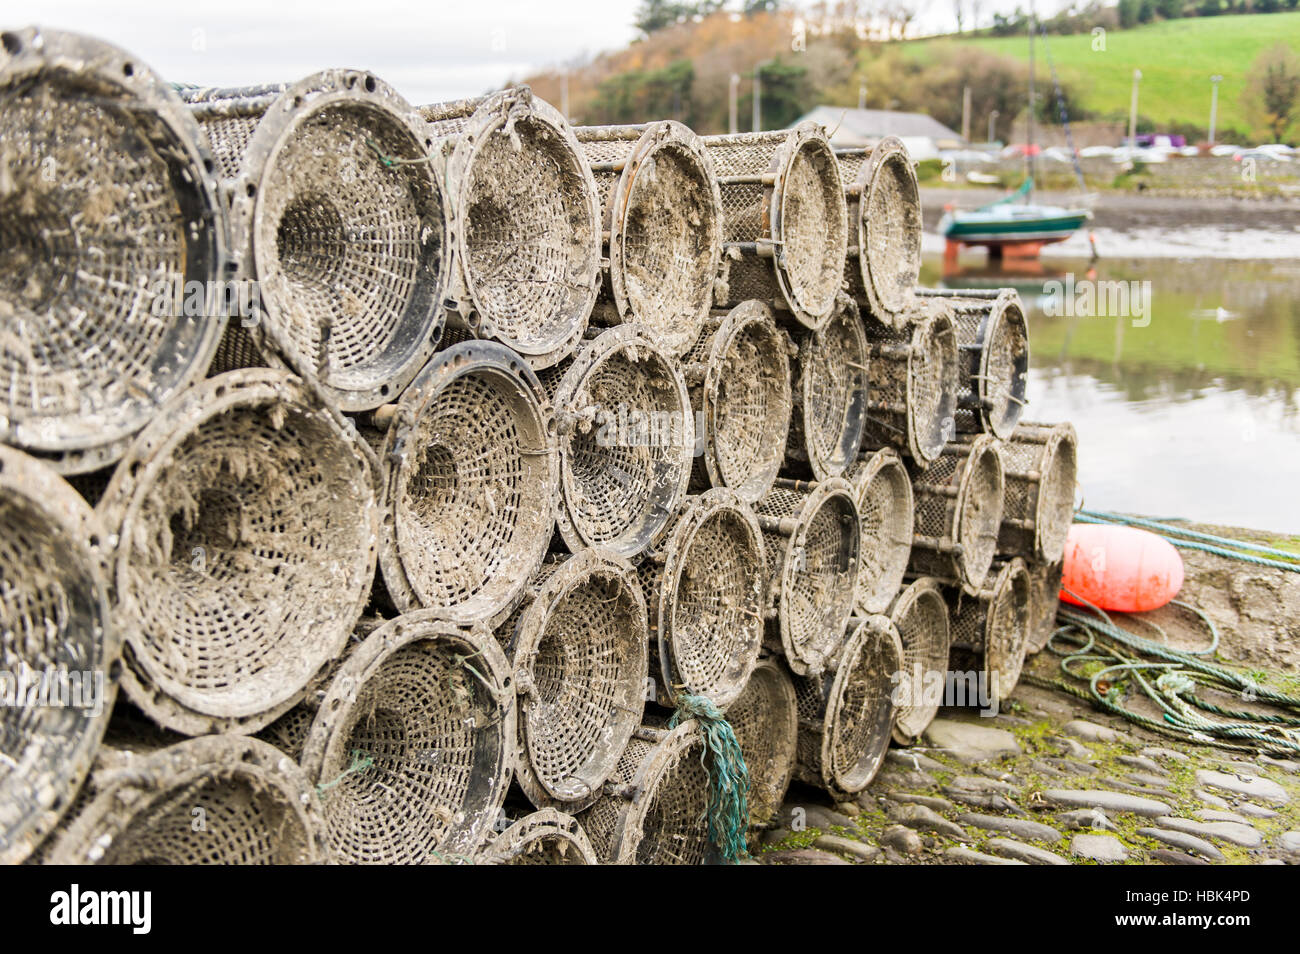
1176,57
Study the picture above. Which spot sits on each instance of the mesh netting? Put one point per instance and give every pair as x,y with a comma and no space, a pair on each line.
469,484
545,837
739,377
784,221
921,617
884,214
340,226
1045,598
626,437
107,214
846,717
991,629
220,800
959,512
704,587
885,510
528,241
245,525
653,808
54,630
994,342
765,719
579,650
663,216
913,388
412,748
1041,464
830,396
813,545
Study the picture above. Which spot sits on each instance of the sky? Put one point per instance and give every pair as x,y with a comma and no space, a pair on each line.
430,51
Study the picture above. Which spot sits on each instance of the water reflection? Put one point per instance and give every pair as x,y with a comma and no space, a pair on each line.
1197,414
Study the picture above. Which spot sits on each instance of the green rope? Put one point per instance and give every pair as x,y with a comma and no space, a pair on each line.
1195,540
360,762
728,809
1128,658
388,161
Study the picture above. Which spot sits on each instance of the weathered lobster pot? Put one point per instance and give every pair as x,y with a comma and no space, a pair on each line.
990,631
885,512
920,615
765,719
831,392
1041,465
543,837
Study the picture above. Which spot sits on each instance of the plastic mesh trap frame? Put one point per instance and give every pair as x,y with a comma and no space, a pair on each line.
738,376
990,631
704,585
958,512
846,717
912,399
545,837
920,615
884,214
662,228
653,806
470,476
1041,463
213,800
831,394
108,212
339,226
54,620
1045,584
993,338
765,719
886,511
626,436
528,237
243,525
785,226
578,646
813,542
413,744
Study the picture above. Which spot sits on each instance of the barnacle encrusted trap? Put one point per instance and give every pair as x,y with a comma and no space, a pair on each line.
1041,467
920,615
885,511
959,512
765,719
990,630
831,392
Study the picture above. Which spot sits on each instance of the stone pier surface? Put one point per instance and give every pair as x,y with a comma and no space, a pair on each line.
1049,780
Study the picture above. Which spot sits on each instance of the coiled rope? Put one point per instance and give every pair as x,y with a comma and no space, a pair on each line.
1195,540
728,808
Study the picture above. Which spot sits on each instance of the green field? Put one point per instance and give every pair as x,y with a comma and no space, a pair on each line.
1176,57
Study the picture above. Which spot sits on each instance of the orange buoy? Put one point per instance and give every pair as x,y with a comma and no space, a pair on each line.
1119,568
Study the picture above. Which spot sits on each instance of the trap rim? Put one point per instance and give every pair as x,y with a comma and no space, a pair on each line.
874,633
971,565
274,133
853,423
999,414
325,744
889,157
785,741
935,326
1002,662
802,662
809,137
157,694
523,647
1060,451
662,135
574,382
71,446
669,748
700,510
743,317
886,464
912,720
545,824
494,112
190,762
36,487
465,358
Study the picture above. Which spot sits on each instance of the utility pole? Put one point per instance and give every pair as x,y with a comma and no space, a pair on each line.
1133,111
993,122
965,114
733,108
1029,140
564,95
758,98
862,96
1215,80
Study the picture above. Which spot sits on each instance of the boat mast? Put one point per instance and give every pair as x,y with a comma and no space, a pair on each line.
1029,145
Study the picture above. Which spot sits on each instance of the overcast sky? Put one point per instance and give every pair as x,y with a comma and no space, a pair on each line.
430,50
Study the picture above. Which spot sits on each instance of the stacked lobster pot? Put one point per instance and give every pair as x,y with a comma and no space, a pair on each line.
451,485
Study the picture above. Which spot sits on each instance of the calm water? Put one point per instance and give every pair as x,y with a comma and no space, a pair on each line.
1197,414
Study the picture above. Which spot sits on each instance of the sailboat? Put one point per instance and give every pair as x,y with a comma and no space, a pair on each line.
1015,224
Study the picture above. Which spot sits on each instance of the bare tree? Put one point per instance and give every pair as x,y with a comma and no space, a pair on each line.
958,8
